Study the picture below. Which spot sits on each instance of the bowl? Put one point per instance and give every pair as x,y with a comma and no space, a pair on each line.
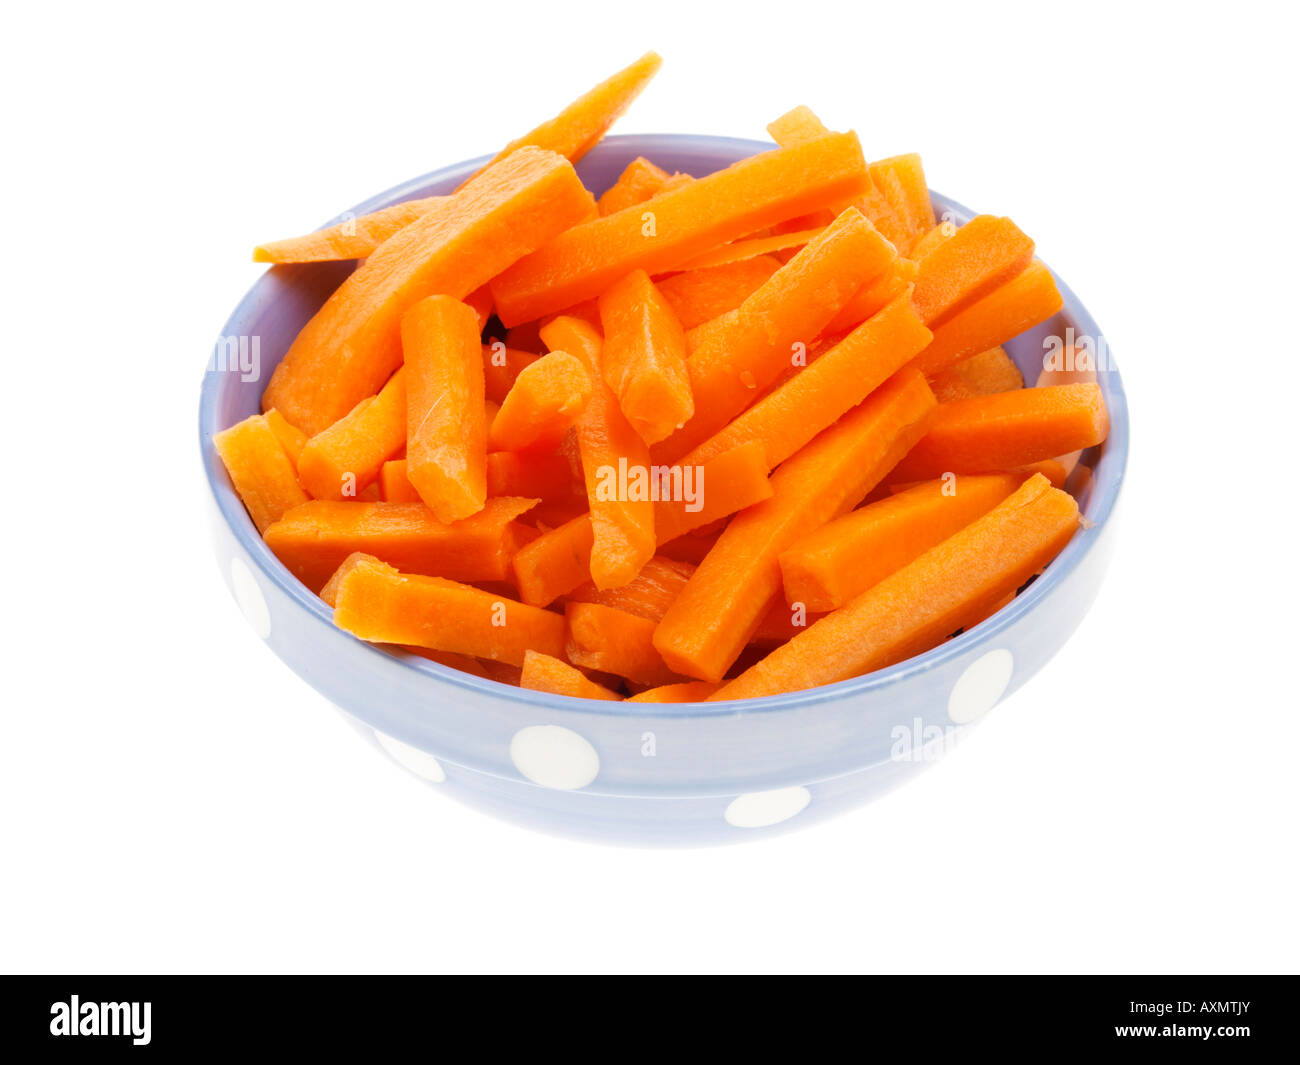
675,774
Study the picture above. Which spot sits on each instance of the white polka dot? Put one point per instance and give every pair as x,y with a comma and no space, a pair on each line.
419,762
762,808
981,686
554,757
248,594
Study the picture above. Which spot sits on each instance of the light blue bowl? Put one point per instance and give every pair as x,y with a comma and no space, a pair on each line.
673,774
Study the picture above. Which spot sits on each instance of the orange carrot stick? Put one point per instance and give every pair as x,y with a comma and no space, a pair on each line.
340,461
842,560
931,239
746,196
446,425
711,621
545,673
691,691
614,641
314,539
789,416
330,592
260,469
782,622
901,181
502,366
532,474
1024,301
871,297
648,595
920,605
696,296
546,398
622,520
740,250
291,438
580,126
1005,430
640,180
352,344
984,253
353,238
559,561
378,603
396,487
796,126
980,375
644,357
736,361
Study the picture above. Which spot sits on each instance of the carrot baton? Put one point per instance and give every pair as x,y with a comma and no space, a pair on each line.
639,180
352,344
315,538
446,420
1024,301
338,462
291,438
842,560
614,641
871,297
698,295
713,619
644,357
546,398
980,375
396,487
984,253
920,605
378,603
353,238
789,416
1006,430
580,126
740,250
743,198
734,362
260,470
648,595
715,489
546,673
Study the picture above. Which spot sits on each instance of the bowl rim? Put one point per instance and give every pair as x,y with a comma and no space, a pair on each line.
1107,481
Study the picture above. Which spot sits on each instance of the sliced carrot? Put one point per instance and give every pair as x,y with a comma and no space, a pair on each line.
796,126
901,181
546,398
546,673
718,487
353,238
644,357
260,470
920,605
339,462
736,362
1024,301
561,560
580,126
291,438
648,595
740,250
532,474
378,603
639,180
352,344
691,691
744,197
692,547
708,626
842,560
1053,470
555,563
930,240
614,641
330,592
1006,430
446,423
314,539
622,521
698,295
788,417
396,487
981,375
984,253
502,366
782,622
896,279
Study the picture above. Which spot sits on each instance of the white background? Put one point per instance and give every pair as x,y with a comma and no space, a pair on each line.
172,798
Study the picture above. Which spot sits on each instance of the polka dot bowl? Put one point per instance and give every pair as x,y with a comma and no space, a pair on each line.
674,774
